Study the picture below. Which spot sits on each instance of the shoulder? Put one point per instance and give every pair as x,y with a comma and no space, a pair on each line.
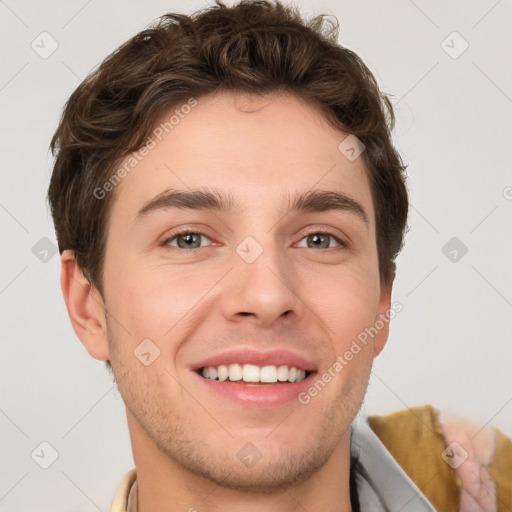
457,463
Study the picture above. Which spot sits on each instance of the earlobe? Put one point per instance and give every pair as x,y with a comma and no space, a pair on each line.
85,307
383,317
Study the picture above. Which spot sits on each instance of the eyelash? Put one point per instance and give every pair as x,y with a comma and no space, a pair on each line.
165,243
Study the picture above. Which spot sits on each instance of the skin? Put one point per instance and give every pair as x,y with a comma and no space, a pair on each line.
191,305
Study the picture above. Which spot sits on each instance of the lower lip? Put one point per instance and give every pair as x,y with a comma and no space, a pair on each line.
258,395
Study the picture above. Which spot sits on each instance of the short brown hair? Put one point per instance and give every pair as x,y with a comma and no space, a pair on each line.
253,46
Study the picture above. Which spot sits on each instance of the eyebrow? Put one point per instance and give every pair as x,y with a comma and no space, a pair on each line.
216,200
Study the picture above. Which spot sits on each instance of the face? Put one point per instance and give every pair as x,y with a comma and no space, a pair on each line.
256,274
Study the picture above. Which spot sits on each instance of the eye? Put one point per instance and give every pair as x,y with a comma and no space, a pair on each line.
192,240
322,240
185,240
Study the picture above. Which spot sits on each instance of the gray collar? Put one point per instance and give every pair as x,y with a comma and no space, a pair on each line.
382,485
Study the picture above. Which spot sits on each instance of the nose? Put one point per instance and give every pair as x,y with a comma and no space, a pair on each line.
262,292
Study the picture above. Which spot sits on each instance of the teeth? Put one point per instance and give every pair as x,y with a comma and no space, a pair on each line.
222,372
252,373
268,374
234,372
282,373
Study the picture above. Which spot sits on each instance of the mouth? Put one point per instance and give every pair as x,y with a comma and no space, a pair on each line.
243,386
254,375
248,377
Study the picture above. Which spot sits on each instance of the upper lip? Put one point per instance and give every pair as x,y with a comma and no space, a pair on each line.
248,355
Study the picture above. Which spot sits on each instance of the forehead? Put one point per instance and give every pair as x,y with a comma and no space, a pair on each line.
257,149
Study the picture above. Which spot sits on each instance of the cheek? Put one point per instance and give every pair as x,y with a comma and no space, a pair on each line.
346,302
160,304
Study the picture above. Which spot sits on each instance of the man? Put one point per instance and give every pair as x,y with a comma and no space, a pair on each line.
229,206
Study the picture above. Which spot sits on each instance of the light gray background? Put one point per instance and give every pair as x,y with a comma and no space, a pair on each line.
451,346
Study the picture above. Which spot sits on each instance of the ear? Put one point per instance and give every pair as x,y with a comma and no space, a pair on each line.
383,316
85,307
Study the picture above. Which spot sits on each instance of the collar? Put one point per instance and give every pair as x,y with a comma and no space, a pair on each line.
382,485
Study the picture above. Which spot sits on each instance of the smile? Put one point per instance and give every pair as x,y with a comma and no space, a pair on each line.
250,373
